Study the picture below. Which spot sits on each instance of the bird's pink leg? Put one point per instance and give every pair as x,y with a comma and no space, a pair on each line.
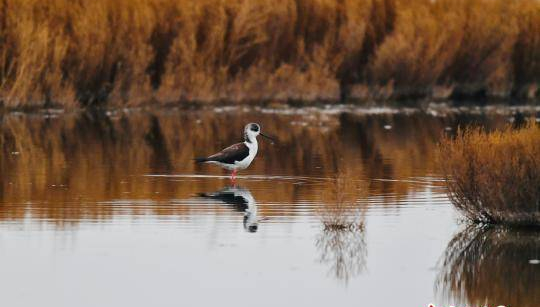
233,176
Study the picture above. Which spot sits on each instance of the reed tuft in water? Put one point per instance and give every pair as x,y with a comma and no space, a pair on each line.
340,210
494,177
341,241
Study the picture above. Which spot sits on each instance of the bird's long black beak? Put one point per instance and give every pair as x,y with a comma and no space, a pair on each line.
266,136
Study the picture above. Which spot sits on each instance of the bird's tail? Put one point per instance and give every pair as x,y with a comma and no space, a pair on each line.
200,160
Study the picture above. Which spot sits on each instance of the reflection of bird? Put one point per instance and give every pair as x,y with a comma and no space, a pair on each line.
242,201
238,156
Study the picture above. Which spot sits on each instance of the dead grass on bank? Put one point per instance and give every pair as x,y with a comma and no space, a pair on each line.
494,177
130,52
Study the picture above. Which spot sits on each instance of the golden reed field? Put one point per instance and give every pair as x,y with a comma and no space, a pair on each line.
73,53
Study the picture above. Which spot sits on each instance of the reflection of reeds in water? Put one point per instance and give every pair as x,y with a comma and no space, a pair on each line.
65,165
344,250
491,267
341,242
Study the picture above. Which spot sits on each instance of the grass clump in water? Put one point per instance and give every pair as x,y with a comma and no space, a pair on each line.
341,242
340,211
494,177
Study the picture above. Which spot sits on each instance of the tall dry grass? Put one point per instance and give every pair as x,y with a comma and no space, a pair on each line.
130,52
494,177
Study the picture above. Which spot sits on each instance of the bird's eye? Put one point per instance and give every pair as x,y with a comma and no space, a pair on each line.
254,128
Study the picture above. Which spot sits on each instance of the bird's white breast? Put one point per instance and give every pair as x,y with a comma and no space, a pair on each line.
253,148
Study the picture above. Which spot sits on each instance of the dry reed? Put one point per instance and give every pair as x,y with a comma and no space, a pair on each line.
133,52
494,177
340,210
341,241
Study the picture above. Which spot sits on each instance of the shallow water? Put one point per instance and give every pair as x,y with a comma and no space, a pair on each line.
108,209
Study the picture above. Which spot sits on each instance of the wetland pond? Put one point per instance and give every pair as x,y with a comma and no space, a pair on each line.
108,209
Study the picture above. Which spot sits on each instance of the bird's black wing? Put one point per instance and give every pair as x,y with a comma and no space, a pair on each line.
229,155
228,197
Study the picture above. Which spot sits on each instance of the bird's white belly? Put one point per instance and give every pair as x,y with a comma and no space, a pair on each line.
244,163
253,147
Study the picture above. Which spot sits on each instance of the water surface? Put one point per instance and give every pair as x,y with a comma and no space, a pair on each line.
108,209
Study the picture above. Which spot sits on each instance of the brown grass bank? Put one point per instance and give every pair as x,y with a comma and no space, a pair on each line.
130,52
495,177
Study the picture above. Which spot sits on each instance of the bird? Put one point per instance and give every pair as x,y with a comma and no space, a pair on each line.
238,156
241,200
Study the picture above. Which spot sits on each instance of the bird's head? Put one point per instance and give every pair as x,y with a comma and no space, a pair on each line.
252,130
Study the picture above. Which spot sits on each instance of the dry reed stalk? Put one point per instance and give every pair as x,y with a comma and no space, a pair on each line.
494,177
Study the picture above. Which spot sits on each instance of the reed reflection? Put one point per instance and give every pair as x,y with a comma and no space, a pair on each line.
63,167
241,200
341,242
491,267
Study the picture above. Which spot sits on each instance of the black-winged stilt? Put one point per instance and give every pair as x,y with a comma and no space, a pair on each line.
238,156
